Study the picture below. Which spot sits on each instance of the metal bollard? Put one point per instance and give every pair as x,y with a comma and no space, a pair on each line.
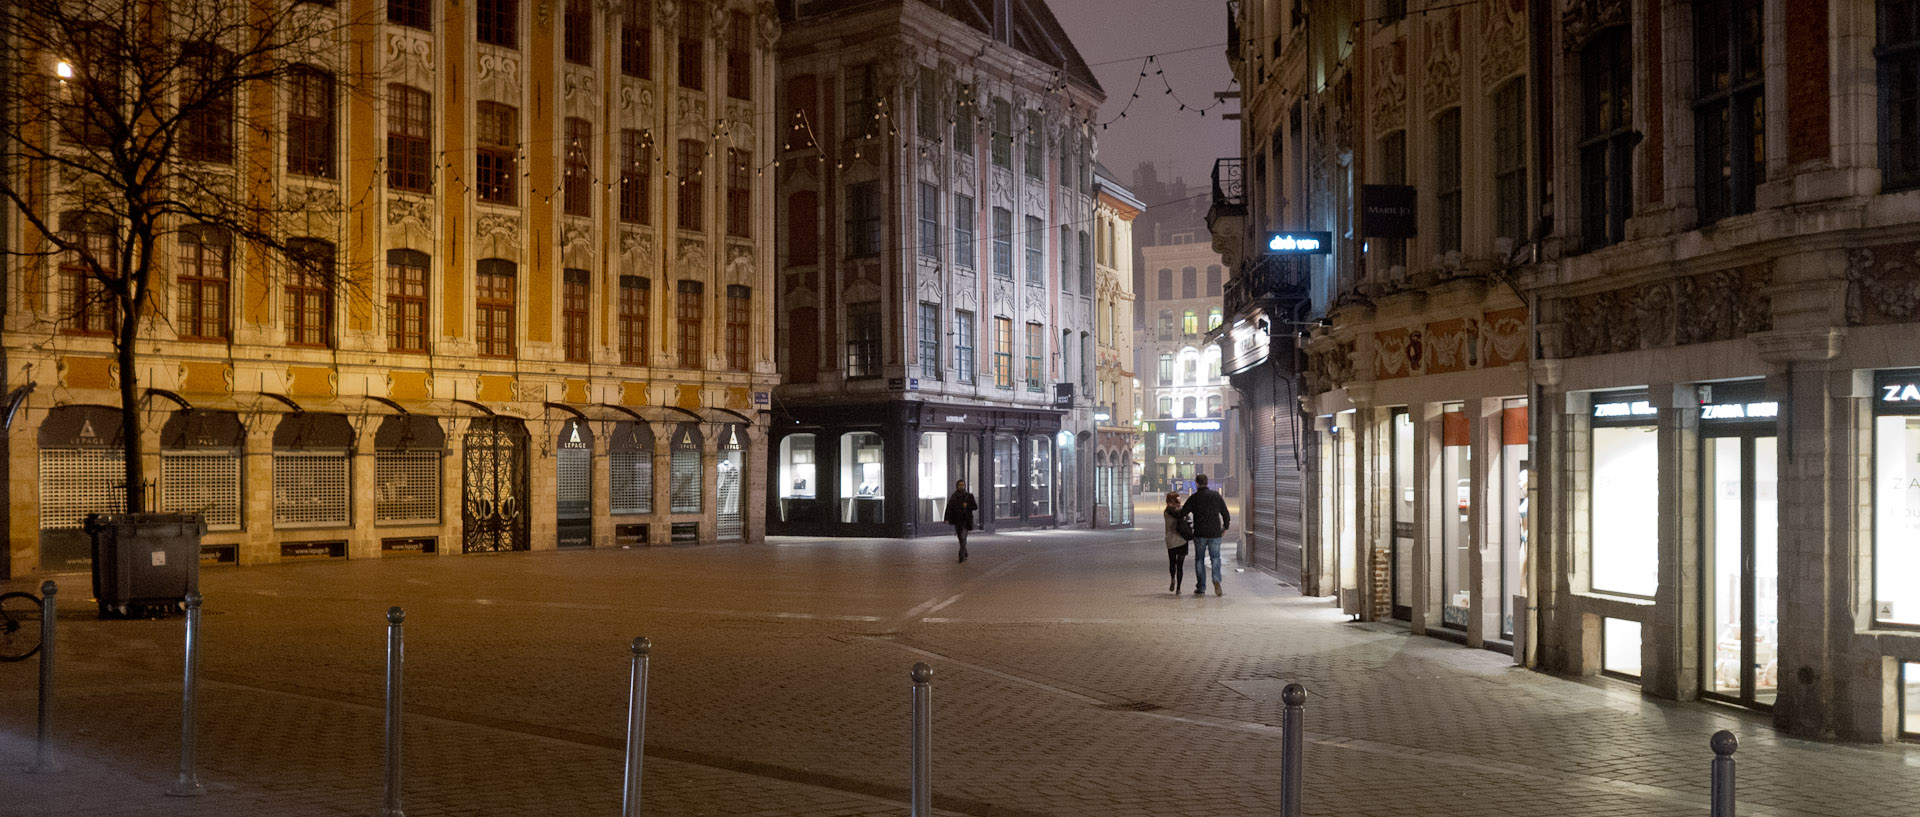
636,728
1292,742
43,761
396,656
1723,744
922,752
188,785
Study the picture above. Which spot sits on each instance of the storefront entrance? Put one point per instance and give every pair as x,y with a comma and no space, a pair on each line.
573,486
493,513
1740,563
1400,565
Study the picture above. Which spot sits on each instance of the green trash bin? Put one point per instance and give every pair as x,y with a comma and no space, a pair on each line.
144,563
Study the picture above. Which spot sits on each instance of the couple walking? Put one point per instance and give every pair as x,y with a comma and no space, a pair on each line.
1202,521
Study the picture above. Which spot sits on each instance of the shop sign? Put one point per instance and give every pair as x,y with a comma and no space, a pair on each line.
1897,392
1386,211
1303,242
907,383
1063,395
956,418
1197,425
1637,408
1249,343
1101,417
1740,411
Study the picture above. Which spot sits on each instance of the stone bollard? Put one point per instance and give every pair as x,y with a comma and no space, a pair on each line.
922,758
396,657
1723,744
636,727
188,785
43,761
1292,742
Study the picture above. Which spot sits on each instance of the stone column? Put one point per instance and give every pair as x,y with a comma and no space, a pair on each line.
1669,637
543,472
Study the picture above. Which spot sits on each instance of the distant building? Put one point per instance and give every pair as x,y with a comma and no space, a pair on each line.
937,286
1115,209
1189,404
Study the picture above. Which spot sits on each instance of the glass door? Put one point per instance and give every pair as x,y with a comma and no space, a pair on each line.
1400,571
1740,567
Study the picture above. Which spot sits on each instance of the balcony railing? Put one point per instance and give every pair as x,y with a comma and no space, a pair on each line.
1272,277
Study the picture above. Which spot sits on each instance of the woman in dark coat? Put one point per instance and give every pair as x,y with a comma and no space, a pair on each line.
960,508
1176,540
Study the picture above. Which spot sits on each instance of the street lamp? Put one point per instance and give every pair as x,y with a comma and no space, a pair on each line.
63,69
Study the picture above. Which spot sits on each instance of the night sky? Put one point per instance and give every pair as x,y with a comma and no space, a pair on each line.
1113,36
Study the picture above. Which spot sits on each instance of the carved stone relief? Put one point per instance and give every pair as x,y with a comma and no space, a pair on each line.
929,289
502,226
576,237
577,90
1389,86
1883,284
692,260
499,75
1711,306
966,296
410,59
1581,19
691,115
1002,298
410,211
1503,49
1002,187
1441,85
636,96
636,247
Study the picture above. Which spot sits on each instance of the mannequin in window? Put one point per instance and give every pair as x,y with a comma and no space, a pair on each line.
729,487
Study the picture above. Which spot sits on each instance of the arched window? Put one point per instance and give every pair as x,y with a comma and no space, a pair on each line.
1190,323
630,468
1213,318
1166,407
1189,406
1213,405
1166,285
684,470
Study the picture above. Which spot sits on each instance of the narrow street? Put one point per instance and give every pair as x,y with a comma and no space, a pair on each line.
1067,681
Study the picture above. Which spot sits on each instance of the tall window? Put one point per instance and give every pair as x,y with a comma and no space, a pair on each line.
1165,289
1213,280
574,300
693,49
309,294
1002,134
1003,243
927,122
930,341
863,339
739,318
636,39
1189,282
689,312
1066,261
406,301
208,135
863,219
1213,319
966,113
635,305
1446,177
1189,323
803,228
963,346
1393,171
1510,161
1035,161
204,284
311,122
1003,352
1166,368
411,13
498,23
1898,53
85,306
803,112
929,221
1036,251
739,55
577,197
409,139
963,231
1086,263
692,179
1606,138
862,89
636,176
577,19
740,172
494,308
1729,105
1036,346
495,143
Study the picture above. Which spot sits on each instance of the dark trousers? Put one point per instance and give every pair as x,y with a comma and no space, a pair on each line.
961,531
1176,562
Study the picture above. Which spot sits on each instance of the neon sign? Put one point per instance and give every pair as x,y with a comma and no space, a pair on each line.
1300,243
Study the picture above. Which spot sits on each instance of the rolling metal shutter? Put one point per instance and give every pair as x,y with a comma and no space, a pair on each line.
206,483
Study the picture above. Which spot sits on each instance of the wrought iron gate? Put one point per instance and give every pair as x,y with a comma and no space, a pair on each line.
493,514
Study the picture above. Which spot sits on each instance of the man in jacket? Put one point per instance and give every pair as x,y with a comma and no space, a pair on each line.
1210,522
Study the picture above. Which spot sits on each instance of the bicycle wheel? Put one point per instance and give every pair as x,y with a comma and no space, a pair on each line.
19,626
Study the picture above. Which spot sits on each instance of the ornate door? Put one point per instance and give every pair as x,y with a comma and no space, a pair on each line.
494,511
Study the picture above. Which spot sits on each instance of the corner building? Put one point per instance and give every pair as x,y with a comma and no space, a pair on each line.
558,328
937,286
1666,434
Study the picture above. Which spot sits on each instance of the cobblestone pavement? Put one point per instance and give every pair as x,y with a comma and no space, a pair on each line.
1068,681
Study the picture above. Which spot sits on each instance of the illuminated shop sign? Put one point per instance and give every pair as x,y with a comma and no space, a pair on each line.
1900,393
1101,417
1197,425
1300,243
1896,391
1249,342
1637,408
1740,411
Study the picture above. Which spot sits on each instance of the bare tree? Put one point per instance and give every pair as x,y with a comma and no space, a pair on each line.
139,125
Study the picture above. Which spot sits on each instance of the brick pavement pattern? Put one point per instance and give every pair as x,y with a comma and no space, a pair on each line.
1067,682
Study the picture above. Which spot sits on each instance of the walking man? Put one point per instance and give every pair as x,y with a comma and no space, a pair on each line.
960,508
1210,522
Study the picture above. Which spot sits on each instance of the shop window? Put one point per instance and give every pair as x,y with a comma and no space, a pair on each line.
1400,576
863,484
573,484
729,479
406,466
1513,508
1040,477
1624,543
200,466
934,483
684,472
310,471
1456,533
1910,699
1006,476
1896,532
630,468
1620,647
797,479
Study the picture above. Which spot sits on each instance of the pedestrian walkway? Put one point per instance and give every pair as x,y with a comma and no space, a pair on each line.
1067,681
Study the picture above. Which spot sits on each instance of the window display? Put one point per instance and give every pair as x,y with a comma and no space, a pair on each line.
862,478
797,483
1896,518
1456,531
1625,544
1006,476
1513,509
935,486
684,473
1910,699
1402,567
1040,477
1740,485
729,480
630,468
1620,647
